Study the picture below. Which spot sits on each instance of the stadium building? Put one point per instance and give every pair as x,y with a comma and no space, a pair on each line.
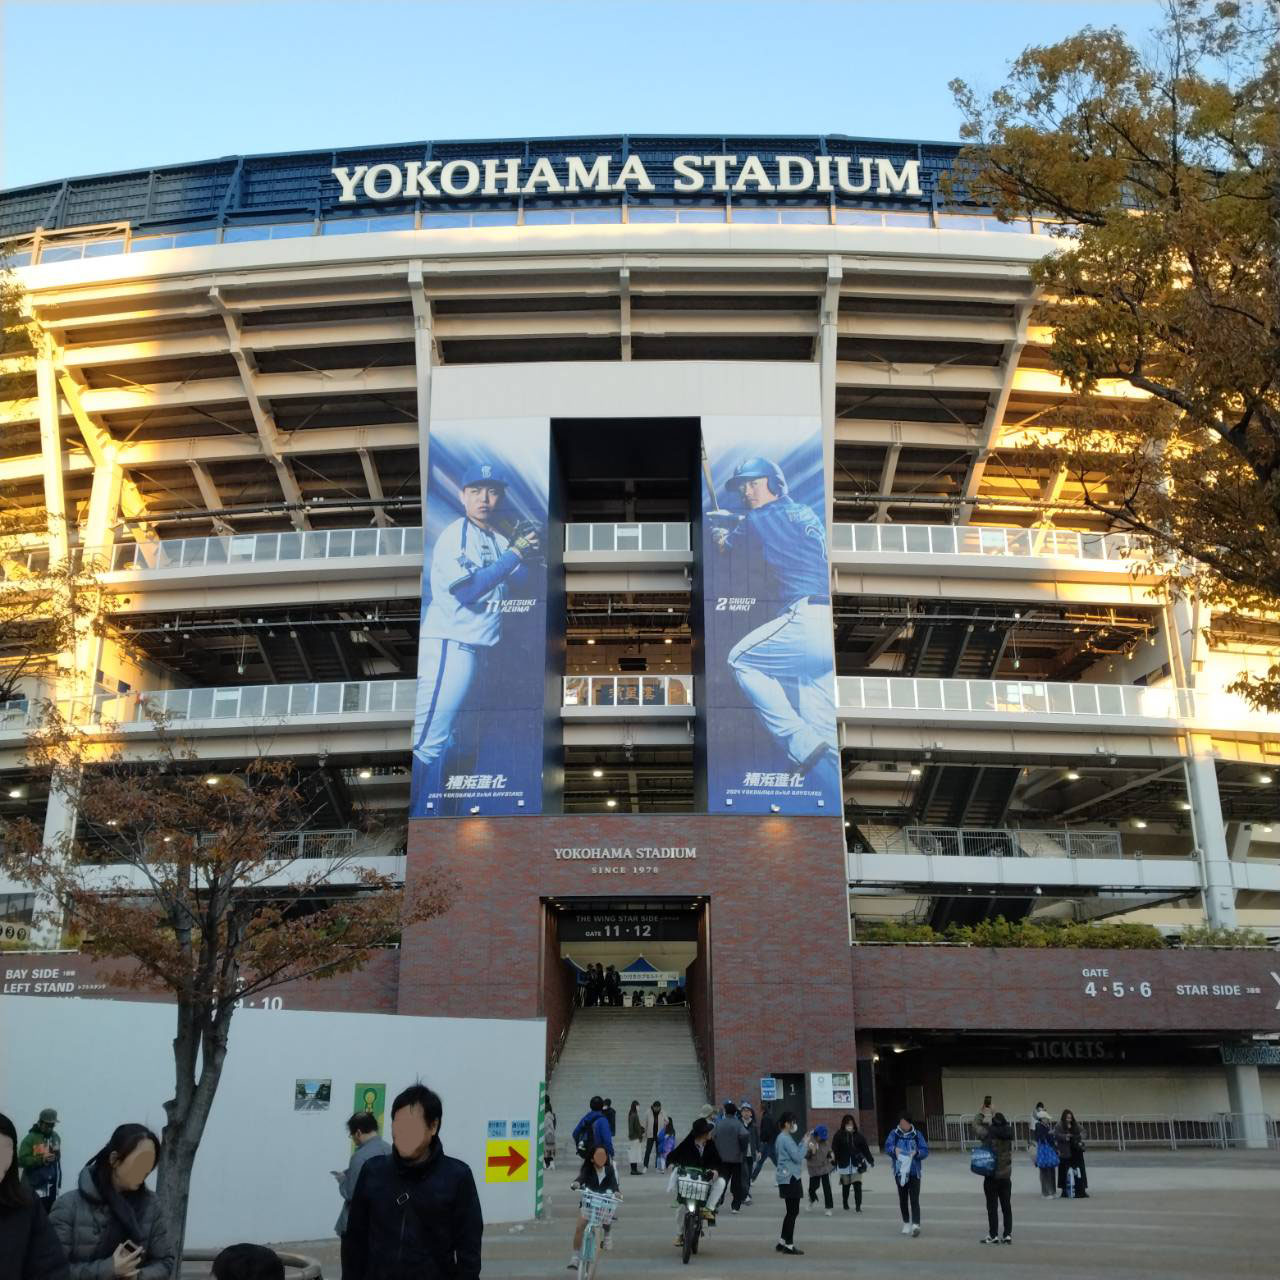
654,534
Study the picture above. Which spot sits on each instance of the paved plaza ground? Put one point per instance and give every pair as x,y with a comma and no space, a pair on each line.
1182,1215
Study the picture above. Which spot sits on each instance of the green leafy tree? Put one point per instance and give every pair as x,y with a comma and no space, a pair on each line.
1160,166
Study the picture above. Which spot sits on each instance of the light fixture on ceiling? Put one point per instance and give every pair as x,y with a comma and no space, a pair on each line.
1140,824
915,770
1184,805
212,780
591,639
15,793
668,640
597,773
366,773
611,803
1264,779
1072,775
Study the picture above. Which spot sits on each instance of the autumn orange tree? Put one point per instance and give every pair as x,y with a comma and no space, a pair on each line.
1160,167
193,882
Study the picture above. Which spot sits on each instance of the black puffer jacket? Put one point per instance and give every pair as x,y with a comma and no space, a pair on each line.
850,1149
415,1221
28,1248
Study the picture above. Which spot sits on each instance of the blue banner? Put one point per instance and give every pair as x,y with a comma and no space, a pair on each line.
770,666
477,729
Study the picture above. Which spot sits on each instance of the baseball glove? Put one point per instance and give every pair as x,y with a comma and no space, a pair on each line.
526,540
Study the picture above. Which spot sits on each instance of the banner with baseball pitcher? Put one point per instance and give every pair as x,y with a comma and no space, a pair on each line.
477,729
770,666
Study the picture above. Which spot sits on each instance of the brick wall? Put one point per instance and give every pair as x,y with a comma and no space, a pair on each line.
780,998
968,988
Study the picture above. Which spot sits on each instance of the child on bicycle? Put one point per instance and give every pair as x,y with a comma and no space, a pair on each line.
597,1174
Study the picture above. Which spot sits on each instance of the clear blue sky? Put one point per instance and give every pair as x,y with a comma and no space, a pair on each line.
89,88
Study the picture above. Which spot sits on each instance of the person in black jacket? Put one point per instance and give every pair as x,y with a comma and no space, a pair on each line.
768,1136
697,1151
597,1174
415,1214
853,1157
29,1250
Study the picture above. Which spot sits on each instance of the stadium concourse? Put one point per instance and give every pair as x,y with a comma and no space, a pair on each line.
655,535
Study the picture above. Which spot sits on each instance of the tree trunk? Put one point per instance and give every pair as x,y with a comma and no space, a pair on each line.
196,1078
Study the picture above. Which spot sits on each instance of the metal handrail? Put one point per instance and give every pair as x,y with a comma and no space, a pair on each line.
1110,702
675,690
267,548
645,535
1004,842
1125,1132
977,540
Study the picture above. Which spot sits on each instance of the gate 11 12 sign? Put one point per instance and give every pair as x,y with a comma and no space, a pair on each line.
629,926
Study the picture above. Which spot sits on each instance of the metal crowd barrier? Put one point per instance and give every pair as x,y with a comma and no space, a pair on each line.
1223,1130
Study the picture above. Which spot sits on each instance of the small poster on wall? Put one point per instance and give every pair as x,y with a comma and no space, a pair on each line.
312,1095
371,1098
831,1089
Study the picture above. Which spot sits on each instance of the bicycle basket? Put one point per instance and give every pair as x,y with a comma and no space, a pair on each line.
691,1187
599,1208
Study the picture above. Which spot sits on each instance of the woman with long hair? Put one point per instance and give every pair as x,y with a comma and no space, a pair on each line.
28,1248
112,1218
1068,1136
853,1157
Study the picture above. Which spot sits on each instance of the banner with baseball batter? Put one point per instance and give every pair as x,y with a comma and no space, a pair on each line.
770,667
477,729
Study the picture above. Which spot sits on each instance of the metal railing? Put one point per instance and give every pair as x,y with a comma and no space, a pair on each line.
628,691
975,540
633,536
1124,1133
1003,842
1027,697
267,548
262,701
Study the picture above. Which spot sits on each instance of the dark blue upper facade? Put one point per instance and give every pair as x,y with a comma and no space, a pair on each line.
300,185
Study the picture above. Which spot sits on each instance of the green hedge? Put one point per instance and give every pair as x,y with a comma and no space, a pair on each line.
1022,933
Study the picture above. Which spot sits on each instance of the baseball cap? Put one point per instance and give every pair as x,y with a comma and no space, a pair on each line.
484,473
48,1116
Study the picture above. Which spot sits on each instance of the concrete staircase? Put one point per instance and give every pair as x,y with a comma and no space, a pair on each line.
626,1055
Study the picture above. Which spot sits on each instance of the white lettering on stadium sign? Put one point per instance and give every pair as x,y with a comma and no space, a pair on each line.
515,176
612,853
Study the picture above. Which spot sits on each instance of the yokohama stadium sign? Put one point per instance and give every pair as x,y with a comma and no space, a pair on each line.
746,175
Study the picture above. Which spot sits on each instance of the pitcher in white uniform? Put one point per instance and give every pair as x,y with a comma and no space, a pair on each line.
473,568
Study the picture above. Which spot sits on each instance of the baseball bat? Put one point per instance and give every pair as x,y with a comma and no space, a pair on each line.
711,489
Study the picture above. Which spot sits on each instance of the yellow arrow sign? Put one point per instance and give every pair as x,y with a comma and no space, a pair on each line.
507,1161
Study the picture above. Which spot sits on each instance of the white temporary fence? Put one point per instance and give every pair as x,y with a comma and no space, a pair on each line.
1129,1132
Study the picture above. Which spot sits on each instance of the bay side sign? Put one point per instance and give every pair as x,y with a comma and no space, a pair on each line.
514,176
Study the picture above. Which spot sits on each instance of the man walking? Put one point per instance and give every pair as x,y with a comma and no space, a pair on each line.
731,1146
593,1130
40,1159
768,1136
363,1128
415,1213
654,1124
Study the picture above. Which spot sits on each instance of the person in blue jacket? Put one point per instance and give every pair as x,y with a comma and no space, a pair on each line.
906,1147
789,1156
593,1130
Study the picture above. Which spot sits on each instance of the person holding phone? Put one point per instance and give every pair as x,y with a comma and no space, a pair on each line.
111,1224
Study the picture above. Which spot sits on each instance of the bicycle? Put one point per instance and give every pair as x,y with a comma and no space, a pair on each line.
600,1209
693,1189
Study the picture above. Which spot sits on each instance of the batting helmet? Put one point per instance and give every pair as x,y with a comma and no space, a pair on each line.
485,473
757,469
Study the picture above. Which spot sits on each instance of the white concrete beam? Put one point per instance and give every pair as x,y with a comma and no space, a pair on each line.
374,484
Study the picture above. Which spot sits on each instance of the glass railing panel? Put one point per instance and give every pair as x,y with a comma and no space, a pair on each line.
364,542
1111,700
929,695
302,699
339,544
251,701
653,691
917,538
970,540
902,694
626,537
200,706
652,537
380,696
955,695
892,538
1085,699
842,537
602,691
602,537
680,691
875,692
1059,699
577,691
226,704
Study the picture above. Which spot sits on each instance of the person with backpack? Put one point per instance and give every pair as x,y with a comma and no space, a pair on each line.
852,1158
666,1143
1046,1153
996,1134
593,1130
907,1147
731,1146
